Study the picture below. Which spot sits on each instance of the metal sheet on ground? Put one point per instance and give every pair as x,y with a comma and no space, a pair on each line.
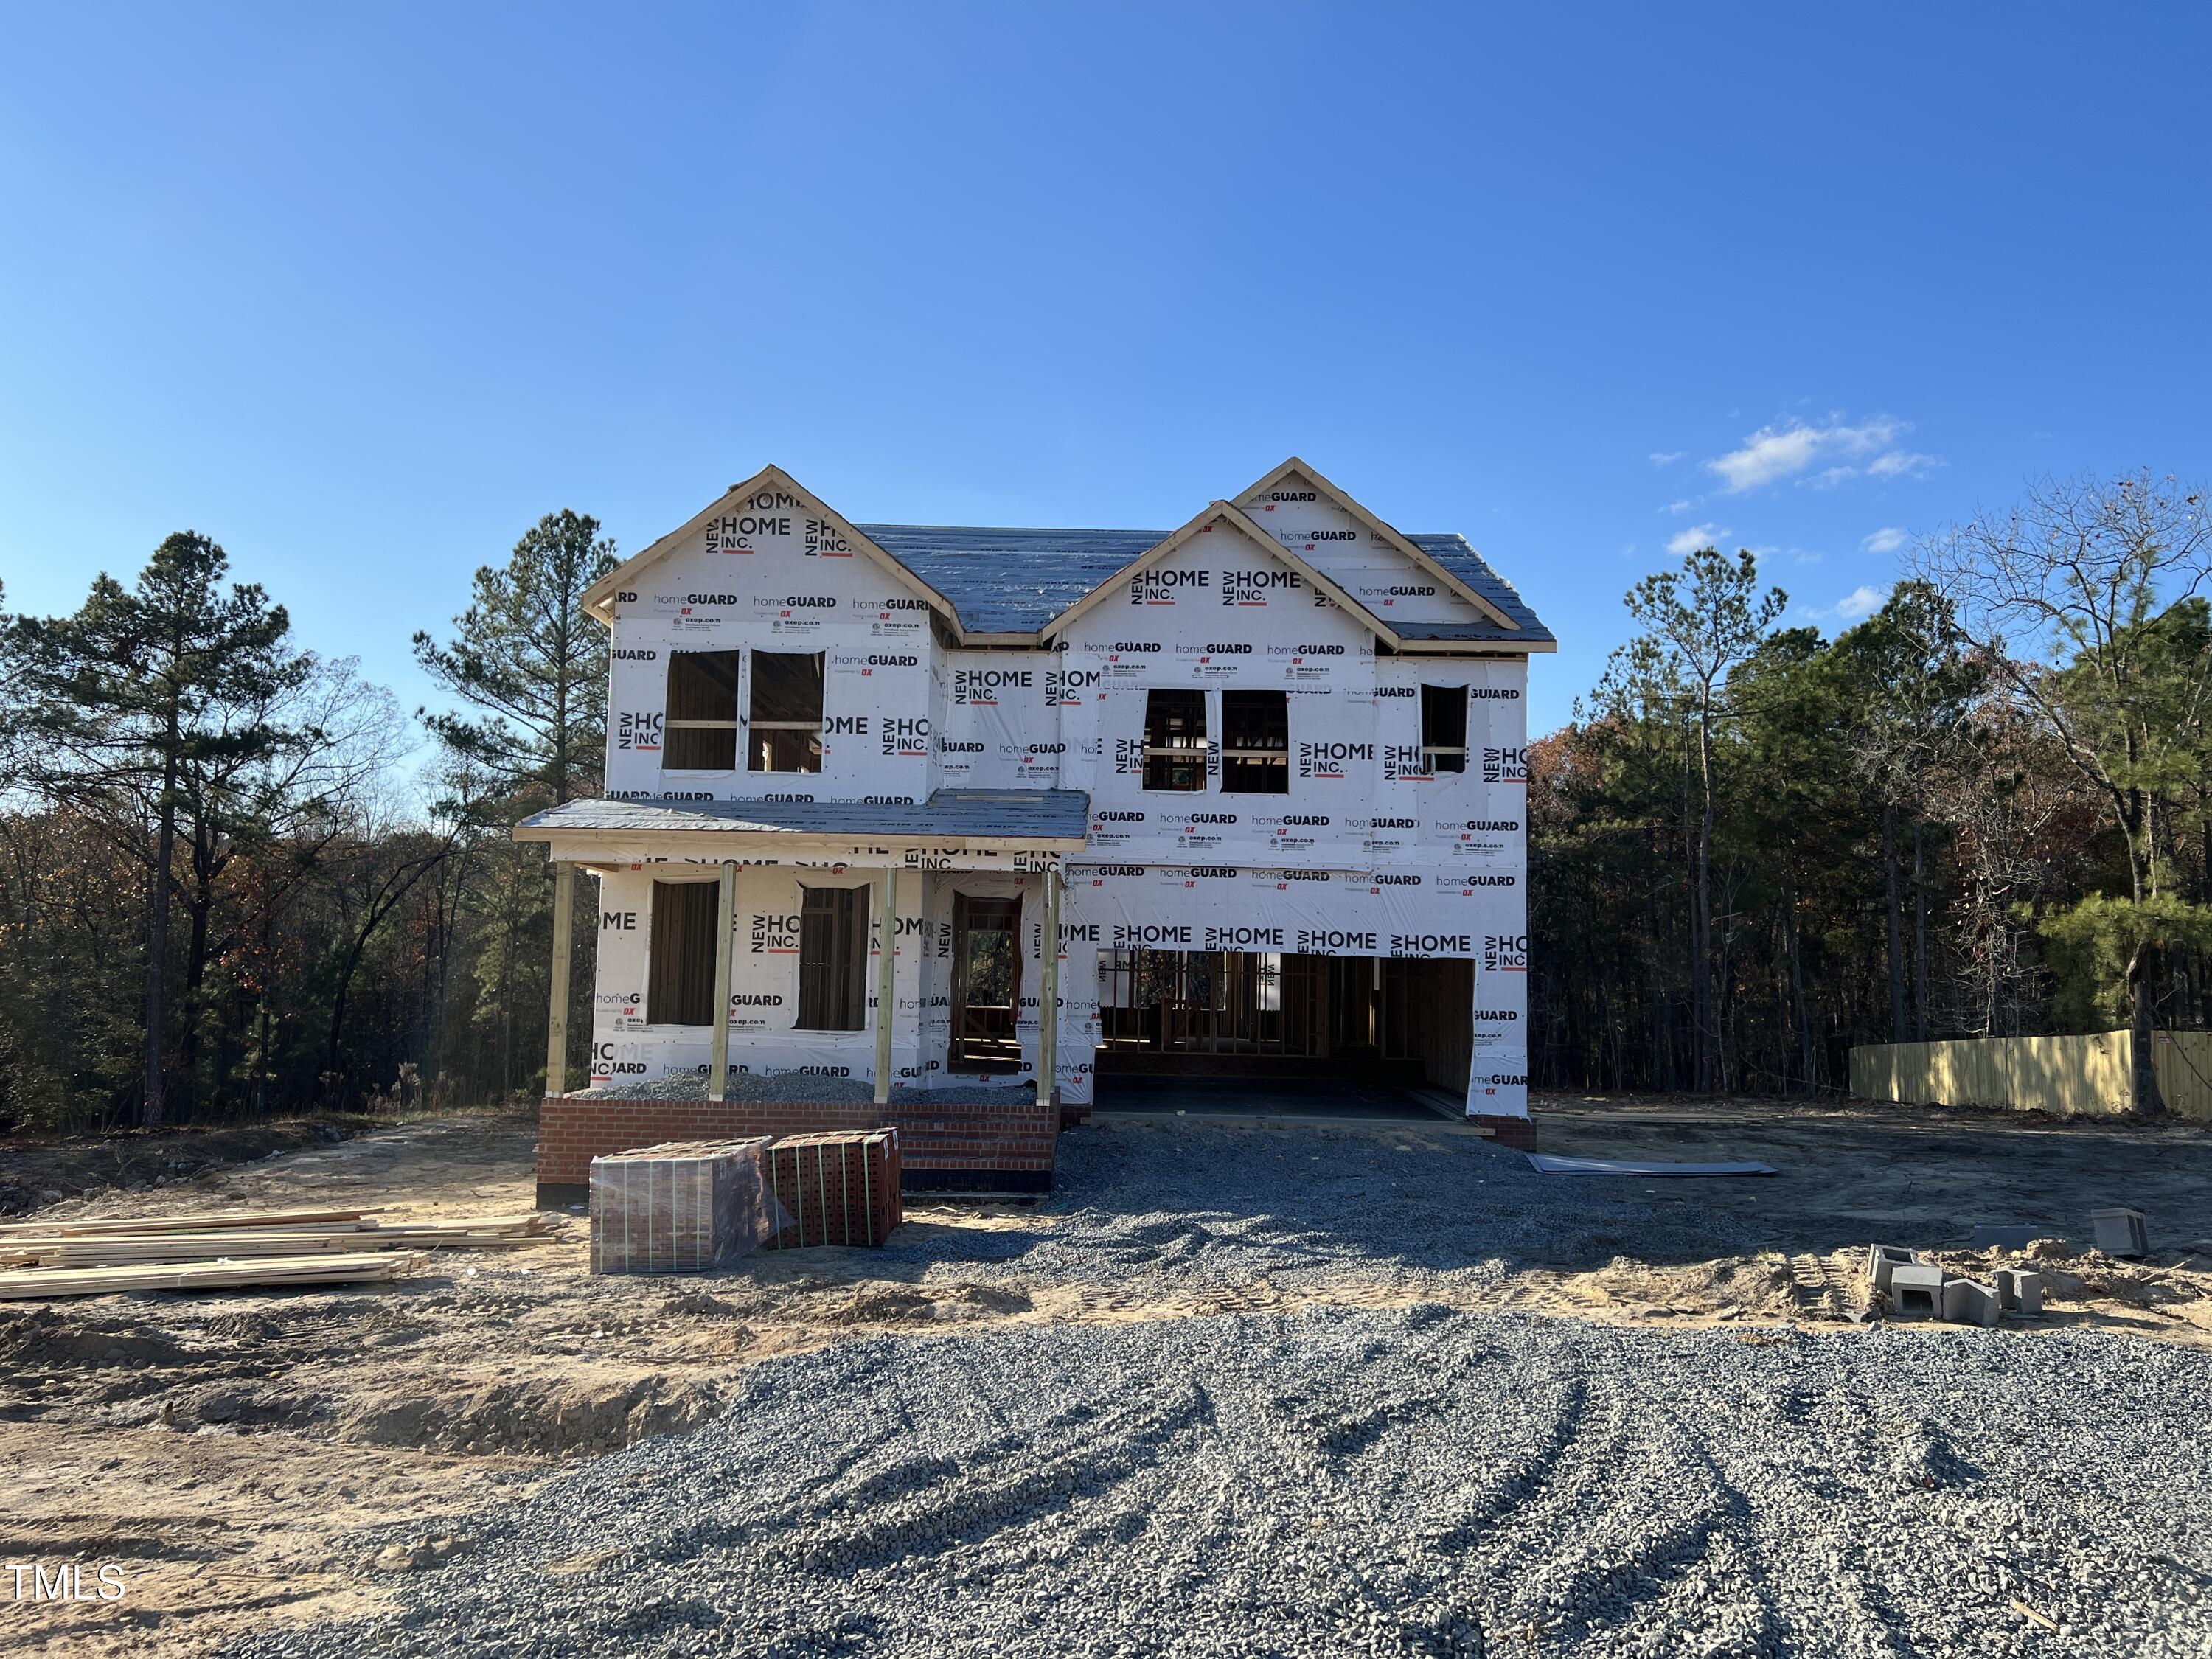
1551,1163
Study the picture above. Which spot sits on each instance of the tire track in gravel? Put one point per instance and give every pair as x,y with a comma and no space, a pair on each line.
1311,1485
1633,1530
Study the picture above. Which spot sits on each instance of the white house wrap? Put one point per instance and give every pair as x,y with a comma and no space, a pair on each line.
1264,775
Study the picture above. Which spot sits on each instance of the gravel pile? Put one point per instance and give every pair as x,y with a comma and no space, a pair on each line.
812,1086
1339,1482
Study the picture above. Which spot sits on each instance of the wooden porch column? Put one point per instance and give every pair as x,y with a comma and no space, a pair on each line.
557,1024
886,980
718,1045
1048,993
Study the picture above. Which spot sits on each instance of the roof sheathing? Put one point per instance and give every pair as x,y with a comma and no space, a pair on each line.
1017,582
1005,585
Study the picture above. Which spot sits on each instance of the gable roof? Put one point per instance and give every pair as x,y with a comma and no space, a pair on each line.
1005,585
1387,534
1221,512
598,597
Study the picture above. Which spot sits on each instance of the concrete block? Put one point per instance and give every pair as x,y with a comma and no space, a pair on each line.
2020,1292
1916,1291
1965,1303
1881,1258
2121,1232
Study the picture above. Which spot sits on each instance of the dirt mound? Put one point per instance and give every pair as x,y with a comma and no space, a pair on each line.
42,1339
547,1417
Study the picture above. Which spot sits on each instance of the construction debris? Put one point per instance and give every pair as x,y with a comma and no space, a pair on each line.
1965,1303
1917,1288
2020,1292
2121,1232
1916,1291
1882,1259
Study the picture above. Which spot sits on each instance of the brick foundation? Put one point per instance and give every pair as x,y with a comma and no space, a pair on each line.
1519,1133
1003,1146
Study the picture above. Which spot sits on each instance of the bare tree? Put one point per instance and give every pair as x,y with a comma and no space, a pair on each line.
2070,597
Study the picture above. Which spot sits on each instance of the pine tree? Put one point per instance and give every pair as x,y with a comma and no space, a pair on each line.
132,709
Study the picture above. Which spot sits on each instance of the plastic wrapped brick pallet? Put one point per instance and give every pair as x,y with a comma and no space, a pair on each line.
686,1206
835,1188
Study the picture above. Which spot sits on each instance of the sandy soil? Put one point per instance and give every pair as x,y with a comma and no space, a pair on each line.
226,1449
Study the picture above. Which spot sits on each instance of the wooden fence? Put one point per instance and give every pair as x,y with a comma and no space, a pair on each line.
2066,1076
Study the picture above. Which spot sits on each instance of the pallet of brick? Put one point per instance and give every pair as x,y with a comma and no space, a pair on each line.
836,1187
684,1206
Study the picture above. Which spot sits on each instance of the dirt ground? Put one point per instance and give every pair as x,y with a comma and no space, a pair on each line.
36,1170
226,1450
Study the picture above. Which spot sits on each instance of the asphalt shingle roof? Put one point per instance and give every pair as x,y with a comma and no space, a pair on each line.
1016,581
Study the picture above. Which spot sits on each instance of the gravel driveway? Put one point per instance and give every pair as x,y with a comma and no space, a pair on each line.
1342,1482
1359,1480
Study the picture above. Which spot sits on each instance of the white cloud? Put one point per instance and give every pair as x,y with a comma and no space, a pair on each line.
1855,607
1678,506
1697,535
1774,453
1860,601
1900,464
1667,458
1887,539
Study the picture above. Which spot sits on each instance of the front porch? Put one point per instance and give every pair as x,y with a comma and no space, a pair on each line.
840,973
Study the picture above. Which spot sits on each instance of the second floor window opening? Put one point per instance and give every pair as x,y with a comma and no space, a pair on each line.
1175,739
701,725
1256,743
786,712
1444,728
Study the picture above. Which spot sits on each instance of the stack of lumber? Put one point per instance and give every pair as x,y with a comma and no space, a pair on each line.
217,1252
840,1187
353,1269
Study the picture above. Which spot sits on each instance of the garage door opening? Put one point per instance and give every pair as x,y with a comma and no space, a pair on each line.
1276,1014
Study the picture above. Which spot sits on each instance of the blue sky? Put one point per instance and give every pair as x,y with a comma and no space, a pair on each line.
363,293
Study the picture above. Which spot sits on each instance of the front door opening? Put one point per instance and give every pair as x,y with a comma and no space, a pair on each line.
987,982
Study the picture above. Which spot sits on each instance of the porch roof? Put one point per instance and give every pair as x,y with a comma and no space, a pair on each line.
1053,819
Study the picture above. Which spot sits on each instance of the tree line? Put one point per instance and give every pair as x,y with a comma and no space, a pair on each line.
1980,812
222,894
1983,810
